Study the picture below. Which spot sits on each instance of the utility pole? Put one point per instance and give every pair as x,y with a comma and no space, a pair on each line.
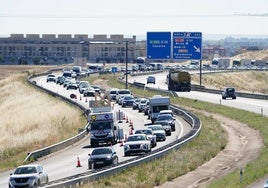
126,64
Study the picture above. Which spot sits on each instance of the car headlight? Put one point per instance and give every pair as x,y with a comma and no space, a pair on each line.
108,157
143,146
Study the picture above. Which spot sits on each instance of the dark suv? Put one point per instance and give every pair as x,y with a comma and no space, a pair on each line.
228,92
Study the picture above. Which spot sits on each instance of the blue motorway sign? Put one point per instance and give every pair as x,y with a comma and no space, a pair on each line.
114,69
187,45
158,45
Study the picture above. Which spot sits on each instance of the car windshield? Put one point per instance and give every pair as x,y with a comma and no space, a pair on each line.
143,101
145,131
163,123
26,170
135,138
101,151
123,92
164,117
101,125
230,90
128,98
156,128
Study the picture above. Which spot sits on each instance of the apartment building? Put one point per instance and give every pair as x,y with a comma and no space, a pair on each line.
65,48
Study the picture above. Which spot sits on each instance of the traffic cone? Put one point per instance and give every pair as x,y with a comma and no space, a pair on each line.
130,131
130,123
86,99
78,162
126,119
122,143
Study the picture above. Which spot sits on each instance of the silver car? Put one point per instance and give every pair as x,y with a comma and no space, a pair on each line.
137,143
149,134
28,176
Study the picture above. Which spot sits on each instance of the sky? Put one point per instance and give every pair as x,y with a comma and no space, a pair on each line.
229,17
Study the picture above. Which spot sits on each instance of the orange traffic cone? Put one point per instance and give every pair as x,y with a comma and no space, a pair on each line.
130,131
122,143
126,119
78,162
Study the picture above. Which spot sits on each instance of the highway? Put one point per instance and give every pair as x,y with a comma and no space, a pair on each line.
63,163
252,105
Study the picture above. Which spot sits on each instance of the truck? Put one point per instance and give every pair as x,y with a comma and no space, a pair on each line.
221,62
103,126
156,104
77,70
178,80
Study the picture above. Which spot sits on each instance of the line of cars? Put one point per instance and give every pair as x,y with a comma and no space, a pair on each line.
68,82
163,126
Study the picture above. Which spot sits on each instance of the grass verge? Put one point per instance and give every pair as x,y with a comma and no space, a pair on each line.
253,171
25,127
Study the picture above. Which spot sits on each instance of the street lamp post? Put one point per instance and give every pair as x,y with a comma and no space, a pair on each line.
126,64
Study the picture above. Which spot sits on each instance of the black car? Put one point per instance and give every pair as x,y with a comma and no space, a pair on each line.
166,126
228,92
128,101
60,80
169,118
102,156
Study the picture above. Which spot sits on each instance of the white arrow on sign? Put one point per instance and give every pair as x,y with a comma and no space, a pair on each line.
196,49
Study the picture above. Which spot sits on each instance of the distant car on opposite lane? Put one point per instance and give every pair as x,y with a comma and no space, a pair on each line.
150,79
228,92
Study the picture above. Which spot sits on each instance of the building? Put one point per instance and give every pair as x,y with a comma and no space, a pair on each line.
65,48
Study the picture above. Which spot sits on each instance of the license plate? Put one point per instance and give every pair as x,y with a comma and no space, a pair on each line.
99,162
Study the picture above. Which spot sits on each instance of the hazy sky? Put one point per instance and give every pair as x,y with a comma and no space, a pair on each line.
134,17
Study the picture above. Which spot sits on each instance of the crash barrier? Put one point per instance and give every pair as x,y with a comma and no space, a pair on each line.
97,174
238,94
201,88
34,155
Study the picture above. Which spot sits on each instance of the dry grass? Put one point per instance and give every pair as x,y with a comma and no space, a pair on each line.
251,81
31,119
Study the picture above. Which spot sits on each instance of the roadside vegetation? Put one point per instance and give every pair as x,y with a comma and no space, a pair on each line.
17,97
249,81
30,120
167,168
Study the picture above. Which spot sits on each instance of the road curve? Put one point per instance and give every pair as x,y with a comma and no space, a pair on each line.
63,163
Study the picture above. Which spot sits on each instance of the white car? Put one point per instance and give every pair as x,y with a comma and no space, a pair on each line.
266,184
51,78
32,175
137,143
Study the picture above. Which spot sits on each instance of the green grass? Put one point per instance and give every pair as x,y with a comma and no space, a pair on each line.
253,171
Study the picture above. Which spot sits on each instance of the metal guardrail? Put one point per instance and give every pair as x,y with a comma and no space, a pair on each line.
34,155
90,176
